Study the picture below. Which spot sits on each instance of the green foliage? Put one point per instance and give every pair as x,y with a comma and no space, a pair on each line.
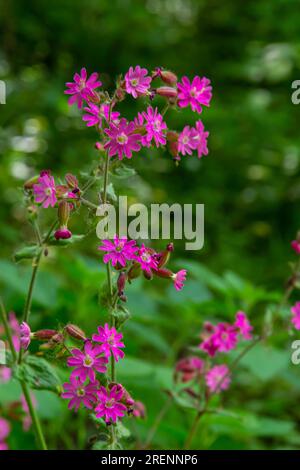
38,373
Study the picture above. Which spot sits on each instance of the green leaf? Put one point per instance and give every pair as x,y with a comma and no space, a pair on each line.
28,252
124,172
38,373
265,362
122,431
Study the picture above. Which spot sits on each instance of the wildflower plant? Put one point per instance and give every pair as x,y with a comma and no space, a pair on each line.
90,361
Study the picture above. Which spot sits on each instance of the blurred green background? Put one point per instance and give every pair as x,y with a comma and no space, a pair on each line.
249,184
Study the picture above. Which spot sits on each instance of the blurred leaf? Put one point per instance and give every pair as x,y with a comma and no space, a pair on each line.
38,373
265,362
27,252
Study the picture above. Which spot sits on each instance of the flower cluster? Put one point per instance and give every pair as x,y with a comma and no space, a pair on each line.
132,260
109,402
223,337
121,137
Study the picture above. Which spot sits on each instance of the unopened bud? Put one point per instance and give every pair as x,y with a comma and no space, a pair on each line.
134,271
75,332
167,92
63,233
29,183
44,335
71,181
168,77
121,283
99,146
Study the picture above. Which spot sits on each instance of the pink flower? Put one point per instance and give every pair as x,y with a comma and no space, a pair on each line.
243,325
82,88
194,94
155,126
111,341
146,259
179,279
86,362
218,378
3,446
295,244
296,315
79,393
123,141
63,233
199,139
120,250
25,333
185,141
95,114
5,374
139,410
210,346
45,191
189,368
225,337
110,408
4,429
136,81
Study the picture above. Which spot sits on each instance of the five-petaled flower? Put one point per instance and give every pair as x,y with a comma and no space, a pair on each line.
155,126
77,392
296,315
82,88
120,250
195,93
146,259
87,362
137,83
45,191
122,139
110,407
111,341
218,378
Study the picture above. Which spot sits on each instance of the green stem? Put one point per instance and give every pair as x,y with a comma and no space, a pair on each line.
35,420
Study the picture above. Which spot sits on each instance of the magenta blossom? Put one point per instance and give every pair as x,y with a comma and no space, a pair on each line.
210,346
136,81
25,335
154,126
111,341
188,368
45,191
120,250
179,279
146,259
226,337
63,233
5,374
243,325
218,378
87,362
296,315
122,139
199,139
194,94
79,393
95,114
295,244
185,141
82,88
110,407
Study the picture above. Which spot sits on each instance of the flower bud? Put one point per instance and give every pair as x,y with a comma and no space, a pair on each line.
167,92
71,181
168,77
63,233
75,332
139,410
134,271
163,257
164,273
44,335
172,136
188,368
121,283
99,146
29,183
